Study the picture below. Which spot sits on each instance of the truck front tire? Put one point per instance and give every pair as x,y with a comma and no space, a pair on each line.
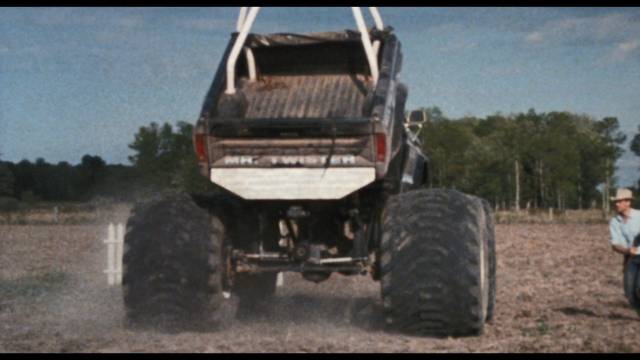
436,271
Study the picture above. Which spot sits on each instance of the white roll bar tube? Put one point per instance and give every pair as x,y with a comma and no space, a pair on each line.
251,61
376,17
366,41
241,16
378,20
237,47
246,19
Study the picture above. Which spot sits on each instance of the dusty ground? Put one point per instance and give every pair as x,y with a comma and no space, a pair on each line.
559,289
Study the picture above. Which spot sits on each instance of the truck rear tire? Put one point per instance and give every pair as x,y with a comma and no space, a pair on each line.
435,267
172,261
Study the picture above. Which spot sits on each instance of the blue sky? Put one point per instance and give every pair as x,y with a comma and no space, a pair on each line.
77,81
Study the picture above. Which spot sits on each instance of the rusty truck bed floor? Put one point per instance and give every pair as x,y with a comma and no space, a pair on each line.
317,96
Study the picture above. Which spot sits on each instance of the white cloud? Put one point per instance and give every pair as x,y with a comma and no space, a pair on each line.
609,28
51,16
22,49
80,17
535,37
502,71
619,32
625,49
206,24
458,45
130,21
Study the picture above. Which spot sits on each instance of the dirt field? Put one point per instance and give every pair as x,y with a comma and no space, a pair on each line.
559,289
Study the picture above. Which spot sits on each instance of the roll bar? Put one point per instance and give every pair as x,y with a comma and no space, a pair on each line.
378,21
247,16
251,62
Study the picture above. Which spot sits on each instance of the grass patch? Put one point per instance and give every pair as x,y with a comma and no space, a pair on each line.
541,329
32,286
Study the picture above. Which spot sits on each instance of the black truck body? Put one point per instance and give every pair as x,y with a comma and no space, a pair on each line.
312,104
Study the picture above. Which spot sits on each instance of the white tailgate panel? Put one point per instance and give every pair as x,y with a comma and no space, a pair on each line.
292,183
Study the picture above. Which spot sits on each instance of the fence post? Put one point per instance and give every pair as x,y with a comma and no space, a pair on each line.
115,242
110,241
550,214
119,244
280,280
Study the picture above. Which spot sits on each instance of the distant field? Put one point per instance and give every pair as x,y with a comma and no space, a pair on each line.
67,214
87,213
553,216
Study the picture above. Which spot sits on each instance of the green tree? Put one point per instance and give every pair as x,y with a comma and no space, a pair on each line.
7,181
90,172
592,163
189,177
539,159
635,143
146,145
611,150
164,158
635,148
447,143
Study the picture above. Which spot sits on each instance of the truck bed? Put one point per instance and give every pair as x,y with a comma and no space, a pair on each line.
305,96
312,119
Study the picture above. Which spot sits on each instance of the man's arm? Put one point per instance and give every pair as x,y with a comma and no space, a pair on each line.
624,250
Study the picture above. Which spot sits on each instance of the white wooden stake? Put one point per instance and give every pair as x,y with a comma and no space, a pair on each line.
119,243
280,280
110,241
115,242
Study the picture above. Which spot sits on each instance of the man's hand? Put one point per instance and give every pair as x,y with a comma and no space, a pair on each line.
633,251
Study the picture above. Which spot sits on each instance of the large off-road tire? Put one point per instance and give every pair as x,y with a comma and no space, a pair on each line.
172,262
632,283
435,265
491,250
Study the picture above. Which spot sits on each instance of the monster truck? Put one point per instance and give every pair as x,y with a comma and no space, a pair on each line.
321,173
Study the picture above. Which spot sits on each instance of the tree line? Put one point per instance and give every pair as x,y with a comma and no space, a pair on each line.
533,160
163,158
524,160
42,181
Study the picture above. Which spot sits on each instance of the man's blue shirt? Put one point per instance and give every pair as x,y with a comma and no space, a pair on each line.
623,233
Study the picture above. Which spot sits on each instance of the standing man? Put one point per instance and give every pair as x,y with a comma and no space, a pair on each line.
625,226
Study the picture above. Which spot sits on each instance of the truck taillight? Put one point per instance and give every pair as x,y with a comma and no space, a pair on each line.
201,147
381,147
